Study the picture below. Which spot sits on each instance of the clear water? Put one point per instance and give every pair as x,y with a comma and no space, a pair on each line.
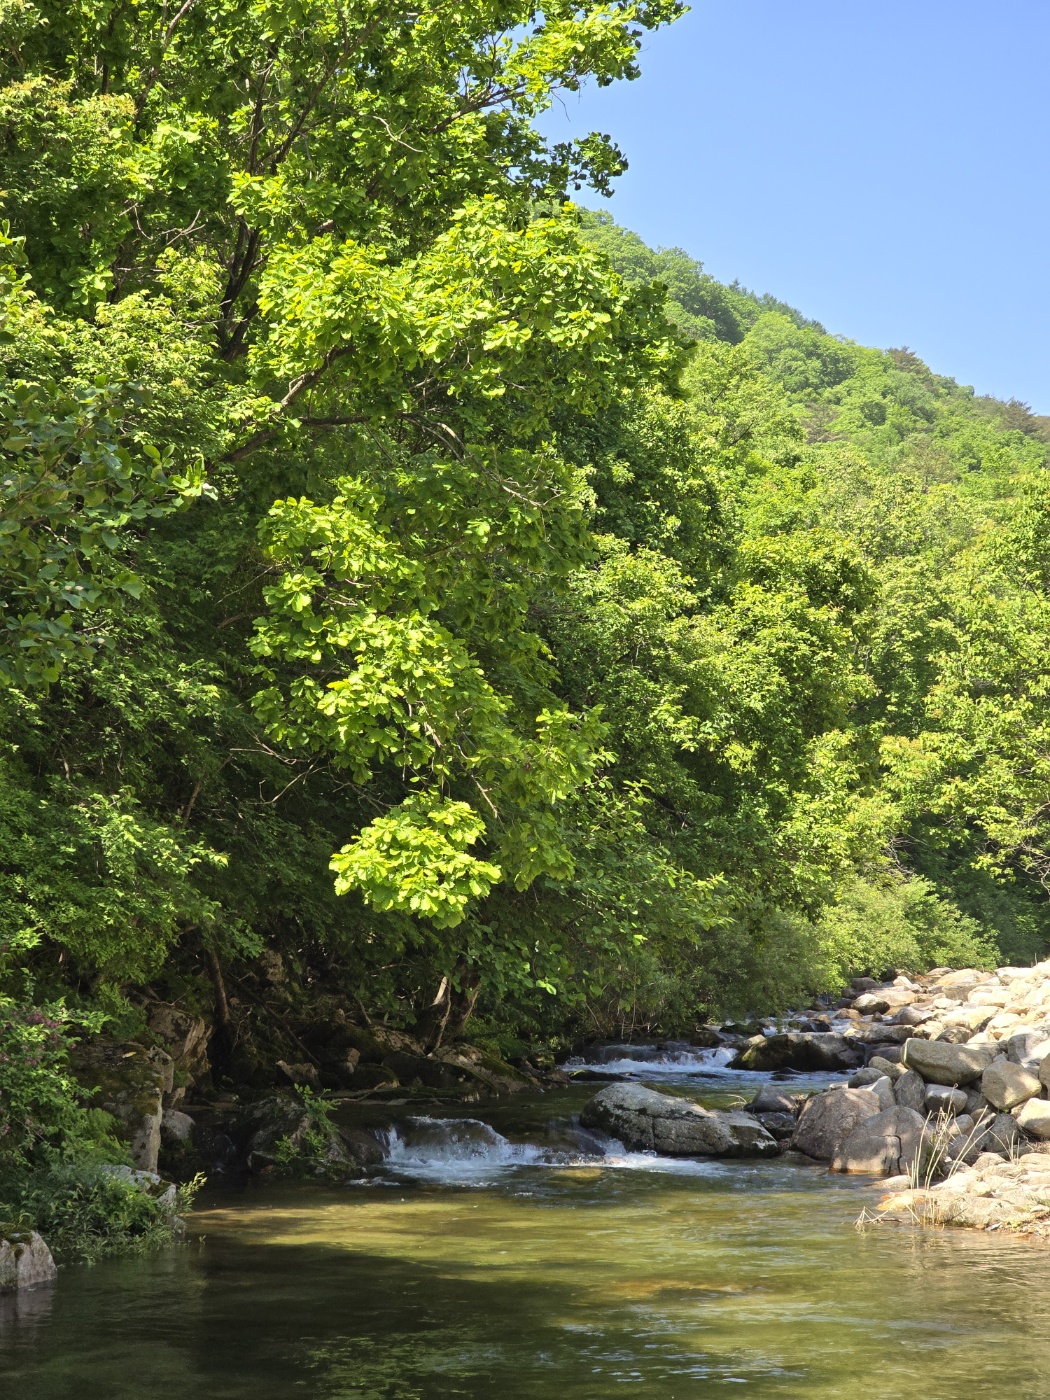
500,1253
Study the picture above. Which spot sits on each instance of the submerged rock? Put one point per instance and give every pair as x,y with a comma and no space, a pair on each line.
645,1121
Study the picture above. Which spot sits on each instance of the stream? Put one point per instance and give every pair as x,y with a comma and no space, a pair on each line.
501,1251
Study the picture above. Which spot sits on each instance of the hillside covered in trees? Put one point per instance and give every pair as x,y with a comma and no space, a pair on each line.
419,593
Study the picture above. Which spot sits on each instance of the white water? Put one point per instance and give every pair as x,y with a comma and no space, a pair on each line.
648,1062
466,1151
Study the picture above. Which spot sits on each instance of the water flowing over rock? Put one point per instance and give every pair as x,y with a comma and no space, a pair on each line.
646,1121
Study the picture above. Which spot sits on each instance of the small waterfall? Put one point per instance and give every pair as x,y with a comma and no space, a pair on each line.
470,1152
654,1062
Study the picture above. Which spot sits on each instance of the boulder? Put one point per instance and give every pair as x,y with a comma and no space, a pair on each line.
1005,1085
940,1062
829,1118
886,1144
176,1129
942,1098
130,1082
770,1099
885,1066
1044,1072
913,1016
1029,1047
864,984
883,1091
184,1036
1002,1134
1033,1118
646,1121
910,1090
871,1003
882,1034
284,1133
865,1077
779,1125
798,1050
25,1261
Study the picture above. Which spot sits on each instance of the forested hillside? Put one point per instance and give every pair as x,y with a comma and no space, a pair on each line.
423,596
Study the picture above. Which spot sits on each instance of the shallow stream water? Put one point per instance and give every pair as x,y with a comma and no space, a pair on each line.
503,1253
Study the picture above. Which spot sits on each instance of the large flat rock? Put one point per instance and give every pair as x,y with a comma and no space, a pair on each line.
645,1121
940,1062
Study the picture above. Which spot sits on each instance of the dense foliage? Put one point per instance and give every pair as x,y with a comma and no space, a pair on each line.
413,575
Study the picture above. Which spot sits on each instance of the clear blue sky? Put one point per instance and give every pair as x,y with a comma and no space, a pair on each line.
882,165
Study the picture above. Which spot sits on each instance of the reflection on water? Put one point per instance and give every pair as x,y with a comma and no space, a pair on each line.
486,1262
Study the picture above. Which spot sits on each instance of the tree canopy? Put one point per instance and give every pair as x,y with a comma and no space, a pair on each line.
408,572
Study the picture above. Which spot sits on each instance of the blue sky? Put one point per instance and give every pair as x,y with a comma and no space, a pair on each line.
882,166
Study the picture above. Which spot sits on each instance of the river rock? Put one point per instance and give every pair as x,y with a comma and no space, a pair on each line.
770,1099
285,1134
829,1118
940,1062
798,1050
910,1090
888,1143
942,1098
25,1261
1006,1085
646,1121
913,1016
1028,1047
1034,1118
864,1078
778,1125
1044,1072
883,1091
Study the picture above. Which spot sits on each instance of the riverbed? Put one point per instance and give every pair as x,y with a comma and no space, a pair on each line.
500,1253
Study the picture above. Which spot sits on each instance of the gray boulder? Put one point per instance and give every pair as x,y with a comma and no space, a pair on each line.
645,1121
25,1261
864,1078
1044,1072
176,1129
1006,1085
910,1090
883,1091
885,1145
829,1118
886,1066
940,1062
913,1016
798,1050
942,1098
1029,1047
779,1125
770,1099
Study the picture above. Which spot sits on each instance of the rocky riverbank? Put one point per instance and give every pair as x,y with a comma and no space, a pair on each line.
949,1095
